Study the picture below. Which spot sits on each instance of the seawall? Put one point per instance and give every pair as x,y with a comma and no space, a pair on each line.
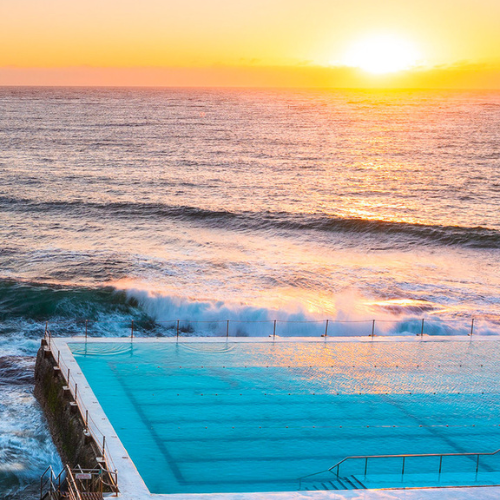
73,442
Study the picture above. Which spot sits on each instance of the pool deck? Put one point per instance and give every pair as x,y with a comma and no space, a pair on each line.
131,484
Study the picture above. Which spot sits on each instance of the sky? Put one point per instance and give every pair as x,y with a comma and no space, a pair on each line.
288,43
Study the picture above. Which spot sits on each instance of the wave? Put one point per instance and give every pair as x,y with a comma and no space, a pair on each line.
170,314
39,302
473,237
26,308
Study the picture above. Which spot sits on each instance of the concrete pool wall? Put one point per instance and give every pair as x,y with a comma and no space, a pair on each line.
131,483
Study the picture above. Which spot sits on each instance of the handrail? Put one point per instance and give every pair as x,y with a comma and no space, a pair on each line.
72,487
403,457
53,482
417,328
44,481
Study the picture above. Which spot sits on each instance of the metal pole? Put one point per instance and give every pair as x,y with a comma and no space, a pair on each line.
46,328
477,463
68,376
87,419
472,327
58,357
76,392
440,463
422,329
326,329
227,329
366,465
132,330
86,330
403,470
373,328
274,330
103,445
177,328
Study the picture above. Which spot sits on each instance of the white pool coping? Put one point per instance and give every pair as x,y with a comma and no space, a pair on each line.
131,484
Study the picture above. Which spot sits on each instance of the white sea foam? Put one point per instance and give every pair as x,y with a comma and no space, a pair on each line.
26,448
210,317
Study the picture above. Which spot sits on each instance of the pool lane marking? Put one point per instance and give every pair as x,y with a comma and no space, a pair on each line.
321,438
172,463
159,443
450,442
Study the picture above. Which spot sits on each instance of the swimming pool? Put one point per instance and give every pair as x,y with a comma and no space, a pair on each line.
208,417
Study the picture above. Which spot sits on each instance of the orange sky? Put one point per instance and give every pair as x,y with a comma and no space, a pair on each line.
291,43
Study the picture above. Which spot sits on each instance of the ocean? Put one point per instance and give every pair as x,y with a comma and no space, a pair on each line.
207,205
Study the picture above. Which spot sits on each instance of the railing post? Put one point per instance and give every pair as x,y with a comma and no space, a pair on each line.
132,330
274,330
403,469
227,328
366,465
477,463
422,329
103,445
440,463
87,419
177,329
76,392
338,470
373,329
472,327
326,329
86,330
58,357
68,378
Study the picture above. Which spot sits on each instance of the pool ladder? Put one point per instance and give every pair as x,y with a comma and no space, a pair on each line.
352,482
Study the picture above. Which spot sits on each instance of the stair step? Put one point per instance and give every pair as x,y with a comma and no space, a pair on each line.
333,486
344,483
359,483
350,483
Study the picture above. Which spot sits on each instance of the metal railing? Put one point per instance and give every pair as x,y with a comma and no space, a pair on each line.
93,480
74,483
50,484
90,425
73,492
335,469
270,327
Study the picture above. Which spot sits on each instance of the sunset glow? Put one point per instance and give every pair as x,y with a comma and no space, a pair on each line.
276,43
382,54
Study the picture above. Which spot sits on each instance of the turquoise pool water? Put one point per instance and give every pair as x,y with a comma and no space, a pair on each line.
238,417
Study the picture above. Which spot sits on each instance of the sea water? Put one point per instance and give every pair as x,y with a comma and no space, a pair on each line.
206,205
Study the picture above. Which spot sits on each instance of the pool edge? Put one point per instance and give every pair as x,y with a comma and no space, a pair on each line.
133,487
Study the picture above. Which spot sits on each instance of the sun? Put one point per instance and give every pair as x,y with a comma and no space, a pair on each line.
382,54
